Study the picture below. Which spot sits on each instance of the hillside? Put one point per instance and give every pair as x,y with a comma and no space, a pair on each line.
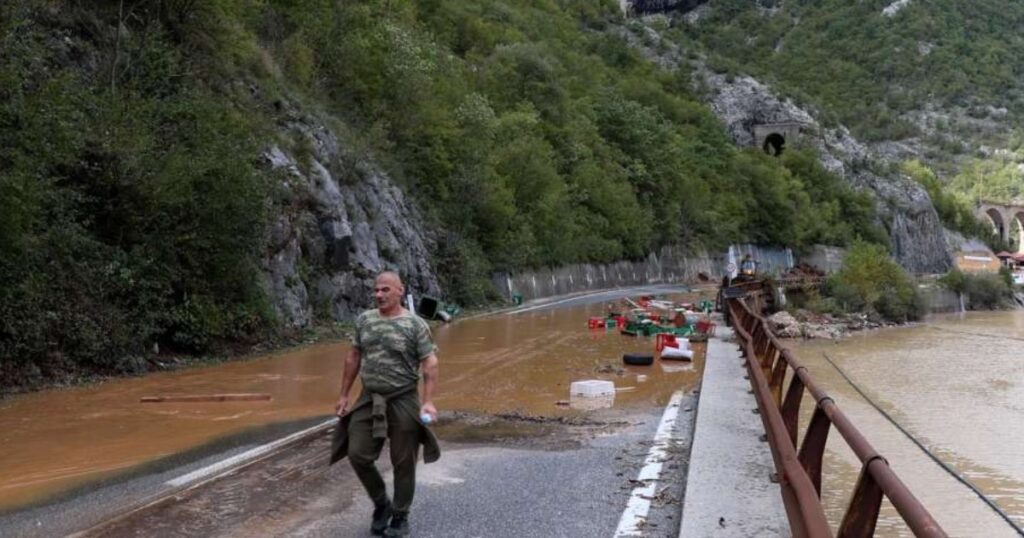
181,175
936,81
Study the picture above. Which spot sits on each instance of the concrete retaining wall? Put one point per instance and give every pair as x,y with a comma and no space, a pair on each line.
670,265
939,300
828,259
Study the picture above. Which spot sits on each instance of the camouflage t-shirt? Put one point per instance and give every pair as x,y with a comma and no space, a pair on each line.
391,349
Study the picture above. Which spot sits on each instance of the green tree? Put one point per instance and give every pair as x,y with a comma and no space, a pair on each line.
870,280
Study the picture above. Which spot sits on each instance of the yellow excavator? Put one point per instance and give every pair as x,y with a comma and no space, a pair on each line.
748,270
739,285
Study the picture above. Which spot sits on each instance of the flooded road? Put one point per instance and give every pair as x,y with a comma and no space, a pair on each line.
956,383
58,440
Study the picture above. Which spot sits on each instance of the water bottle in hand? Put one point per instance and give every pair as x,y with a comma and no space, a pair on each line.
426,419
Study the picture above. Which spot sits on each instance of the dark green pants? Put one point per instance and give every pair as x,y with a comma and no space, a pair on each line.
403,437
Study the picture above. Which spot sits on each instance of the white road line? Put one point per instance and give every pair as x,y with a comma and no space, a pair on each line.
616,291
244,457
555,303
640,501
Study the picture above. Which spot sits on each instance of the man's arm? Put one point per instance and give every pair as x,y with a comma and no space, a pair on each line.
430,369
352,362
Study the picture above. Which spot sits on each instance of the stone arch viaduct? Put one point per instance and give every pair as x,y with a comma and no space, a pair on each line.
1004,217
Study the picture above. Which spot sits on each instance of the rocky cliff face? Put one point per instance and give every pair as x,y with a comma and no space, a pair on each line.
744,105
661,6
343,221
916,233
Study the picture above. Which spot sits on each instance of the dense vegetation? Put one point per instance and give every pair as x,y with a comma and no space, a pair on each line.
981,291
133,207
870,68
870,281
954,208
943,72
535,135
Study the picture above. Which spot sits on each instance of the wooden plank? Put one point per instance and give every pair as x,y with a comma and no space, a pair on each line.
242,397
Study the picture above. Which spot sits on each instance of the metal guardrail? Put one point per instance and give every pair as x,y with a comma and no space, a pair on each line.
799,470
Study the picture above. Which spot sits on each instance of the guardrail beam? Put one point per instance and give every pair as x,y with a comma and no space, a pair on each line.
800,472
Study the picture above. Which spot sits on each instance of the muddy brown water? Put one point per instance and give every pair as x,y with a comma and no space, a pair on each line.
956,383
57,440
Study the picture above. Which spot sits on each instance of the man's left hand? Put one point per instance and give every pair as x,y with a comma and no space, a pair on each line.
428,407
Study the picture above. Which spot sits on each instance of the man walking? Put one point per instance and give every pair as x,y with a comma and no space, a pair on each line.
390,347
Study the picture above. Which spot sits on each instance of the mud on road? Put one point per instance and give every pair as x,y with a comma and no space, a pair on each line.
59,441
509,476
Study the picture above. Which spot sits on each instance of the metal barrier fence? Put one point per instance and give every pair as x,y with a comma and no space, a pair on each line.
799,470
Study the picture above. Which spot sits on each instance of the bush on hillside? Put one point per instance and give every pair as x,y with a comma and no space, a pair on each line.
983,291
987,291
954,281
871,281
132,208
955,211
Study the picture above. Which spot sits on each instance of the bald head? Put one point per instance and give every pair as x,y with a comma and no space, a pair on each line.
387,291
390,277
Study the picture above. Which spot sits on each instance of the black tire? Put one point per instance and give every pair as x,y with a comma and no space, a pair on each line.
638,359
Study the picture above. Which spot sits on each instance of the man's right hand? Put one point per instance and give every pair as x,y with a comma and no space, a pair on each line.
341,407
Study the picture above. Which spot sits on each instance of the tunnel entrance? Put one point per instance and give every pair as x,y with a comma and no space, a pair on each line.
774,144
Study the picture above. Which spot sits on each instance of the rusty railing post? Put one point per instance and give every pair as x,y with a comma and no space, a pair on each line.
862,514
777,379
791,406
812,451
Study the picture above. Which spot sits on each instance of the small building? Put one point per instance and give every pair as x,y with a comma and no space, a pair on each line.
1007,259
978,260
1015,263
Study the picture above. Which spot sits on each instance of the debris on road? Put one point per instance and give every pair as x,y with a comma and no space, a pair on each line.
190,398
591,388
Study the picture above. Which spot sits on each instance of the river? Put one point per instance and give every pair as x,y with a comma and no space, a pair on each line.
956,384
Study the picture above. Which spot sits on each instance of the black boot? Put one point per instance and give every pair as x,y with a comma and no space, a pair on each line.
399,527
381,515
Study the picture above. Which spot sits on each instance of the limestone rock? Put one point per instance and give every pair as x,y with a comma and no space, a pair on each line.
820,331
892,9
904,207
744,105
662,6
343,222
784,325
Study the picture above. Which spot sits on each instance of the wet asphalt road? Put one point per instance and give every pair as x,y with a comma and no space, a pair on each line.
530,491
533,480
595,297
556,481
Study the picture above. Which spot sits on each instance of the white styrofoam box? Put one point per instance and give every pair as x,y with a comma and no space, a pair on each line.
681,343
591,388
676,353
591,403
